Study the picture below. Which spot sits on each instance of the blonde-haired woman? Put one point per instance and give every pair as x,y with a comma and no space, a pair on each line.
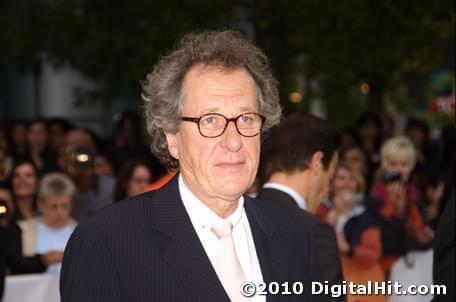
50,231
402,224
357,230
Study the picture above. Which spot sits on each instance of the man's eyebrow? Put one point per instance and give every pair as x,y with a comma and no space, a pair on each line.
217,110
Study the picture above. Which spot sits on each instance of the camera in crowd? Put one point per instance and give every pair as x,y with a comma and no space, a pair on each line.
3,209
84,158
392,177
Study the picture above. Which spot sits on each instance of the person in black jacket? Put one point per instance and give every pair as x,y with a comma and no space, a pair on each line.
298,161
198,238
3,257
10,253
444,269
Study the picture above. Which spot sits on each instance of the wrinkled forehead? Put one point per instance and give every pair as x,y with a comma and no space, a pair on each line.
235,79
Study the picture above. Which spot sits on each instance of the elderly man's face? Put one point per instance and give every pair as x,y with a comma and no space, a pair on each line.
223,167
55,210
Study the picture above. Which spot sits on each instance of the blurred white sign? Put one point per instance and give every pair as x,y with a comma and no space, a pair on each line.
32,288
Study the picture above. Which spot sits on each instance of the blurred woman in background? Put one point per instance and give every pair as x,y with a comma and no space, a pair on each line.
356,157
18,131
357,231
346,195
24,182
133,178
6,160
104,164
370,136
396,199
39,151
57,128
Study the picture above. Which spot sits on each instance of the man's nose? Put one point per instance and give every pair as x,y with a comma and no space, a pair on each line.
61,211
232,140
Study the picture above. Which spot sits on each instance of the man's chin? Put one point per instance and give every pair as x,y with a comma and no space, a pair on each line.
232,190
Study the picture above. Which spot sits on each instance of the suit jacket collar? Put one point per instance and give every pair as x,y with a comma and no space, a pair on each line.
185,253
277,196
271,250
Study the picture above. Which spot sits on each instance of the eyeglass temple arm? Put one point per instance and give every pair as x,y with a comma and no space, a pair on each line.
191,119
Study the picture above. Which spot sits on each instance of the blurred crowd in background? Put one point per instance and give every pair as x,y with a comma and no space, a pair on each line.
54,175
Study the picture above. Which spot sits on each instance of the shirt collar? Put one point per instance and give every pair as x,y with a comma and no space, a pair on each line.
300,201
201,215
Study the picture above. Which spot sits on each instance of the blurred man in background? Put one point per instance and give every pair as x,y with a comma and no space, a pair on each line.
298,161
76,158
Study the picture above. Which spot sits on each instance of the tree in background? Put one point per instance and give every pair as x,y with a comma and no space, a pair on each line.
356,54
114,43
352,55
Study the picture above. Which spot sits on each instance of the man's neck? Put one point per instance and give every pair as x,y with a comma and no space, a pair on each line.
299,182
220,205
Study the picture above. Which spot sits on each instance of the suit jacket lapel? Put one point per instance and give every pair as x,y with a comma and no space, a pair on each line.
272,254
185,253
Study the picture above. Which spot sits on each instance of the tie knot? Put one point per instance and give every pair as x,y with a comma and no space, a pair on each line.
222,228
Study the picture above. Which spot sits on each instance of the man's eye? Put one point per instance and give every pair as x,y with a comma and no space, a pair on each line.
246,119
208,120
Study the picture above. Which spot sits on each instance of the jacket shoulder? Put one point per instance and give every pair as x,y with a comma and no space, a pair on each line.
283,215
122,215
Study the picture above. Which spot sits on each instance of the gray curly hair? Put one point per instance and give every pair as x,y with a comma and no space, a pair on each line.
162,89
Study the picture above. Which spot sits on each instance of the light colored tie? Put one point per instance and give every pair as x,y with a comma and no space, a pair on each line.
228,267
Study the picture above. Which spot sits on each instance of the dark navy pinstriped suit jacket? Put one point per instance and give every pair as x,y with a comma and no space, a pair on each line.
145,249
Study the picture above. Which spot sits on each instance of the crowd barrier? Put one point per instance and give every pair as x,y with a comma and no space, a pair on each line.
32,288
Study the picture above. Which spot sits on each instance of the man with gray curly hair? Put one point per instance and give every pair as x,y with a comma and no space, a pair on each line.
198,238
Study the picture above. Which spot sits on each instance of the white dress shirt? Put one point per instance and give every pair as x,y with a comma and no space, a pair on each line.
295,195
203,218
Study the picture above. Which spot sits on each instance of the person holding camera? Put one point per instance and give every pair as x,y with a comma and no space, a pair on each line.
402,221
357,231
76,159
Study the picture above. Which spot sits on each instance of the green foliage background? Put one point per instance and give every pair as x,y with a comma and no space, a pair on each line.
323,49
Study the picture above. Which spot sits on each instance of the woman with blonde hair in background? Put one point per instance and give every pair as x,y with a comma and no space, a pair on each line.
396,198
357,230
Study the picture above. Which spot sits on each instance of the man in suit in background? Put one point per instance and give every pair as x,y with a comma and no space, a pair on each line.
197,238
299,157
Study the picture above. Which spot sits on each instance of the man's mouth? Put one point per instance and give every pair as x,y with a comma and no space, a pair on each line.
230,164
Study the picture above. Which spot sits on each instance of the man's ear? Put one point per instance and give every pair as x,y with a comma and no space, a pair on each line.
171,139
316,164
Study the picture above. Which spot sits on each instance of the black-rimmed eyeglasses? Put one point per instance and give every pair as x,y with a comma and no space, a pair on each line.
212,125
